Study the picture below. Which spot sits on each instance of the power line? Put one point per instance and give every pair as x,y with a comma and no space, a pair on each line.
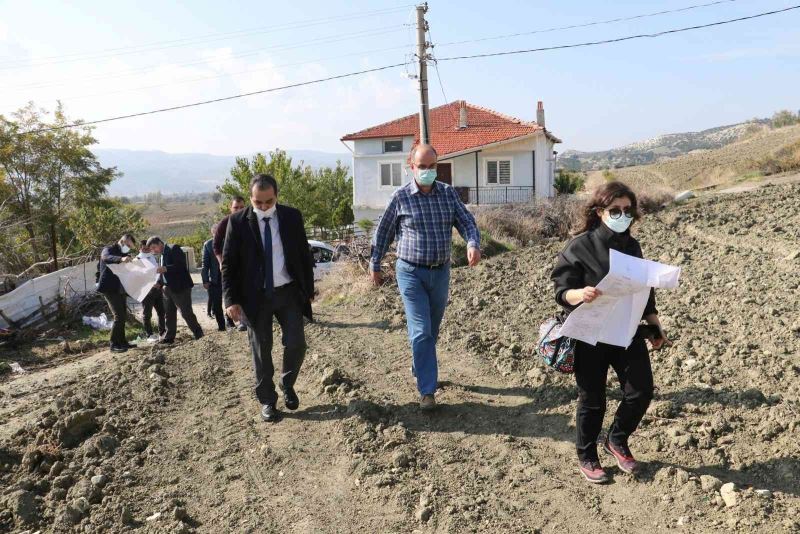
125,50
322,40
228,74
589,24
215,100
620,39
385,67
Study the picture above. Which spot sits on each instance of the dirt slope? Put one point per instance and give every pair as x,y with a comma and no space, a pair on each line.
116,441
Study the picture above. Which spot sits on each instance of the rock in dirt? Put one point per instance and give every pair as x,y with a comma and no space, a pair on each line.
22,504
710,483
99,480
401,459
424,514
76,427
764,493
85,489
331,376
729,494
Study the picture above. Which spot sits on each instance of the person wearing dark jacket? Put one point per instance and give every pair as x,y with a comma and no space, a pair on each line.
110,286
218,243
177,282
154,299
583,263
268,271
212,281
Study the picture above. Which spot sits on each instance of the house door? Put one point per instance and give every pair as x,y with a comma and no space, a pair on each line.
444,173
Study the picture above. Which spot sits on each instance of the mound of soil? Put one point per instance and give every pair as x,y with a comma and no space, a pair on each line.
171,440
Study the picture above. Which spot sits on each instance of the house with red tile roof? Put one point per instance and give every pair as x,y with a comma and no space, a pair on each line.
490,158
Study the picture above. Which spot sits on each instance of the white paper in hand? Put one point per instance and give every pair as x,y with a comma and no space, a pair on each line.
137,277
613,317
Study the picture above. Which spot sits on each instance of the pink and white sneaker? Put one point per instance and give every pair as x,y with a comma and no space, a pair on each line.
593,471
623,455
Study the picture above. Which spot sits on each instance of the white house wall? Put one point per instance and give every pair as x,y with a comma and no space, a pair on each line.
367,190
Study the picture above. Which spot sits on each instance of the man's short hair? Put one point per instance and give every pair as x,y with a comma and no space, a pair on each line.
155,240
238,198
143,243
417,147
127,237
264,181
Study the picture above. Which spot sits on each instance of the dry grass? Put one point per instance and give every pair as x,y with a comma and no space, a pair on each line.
525,224
346,281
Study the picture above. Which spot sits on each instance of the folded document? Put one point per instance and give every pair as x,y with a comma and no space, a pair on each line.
612,318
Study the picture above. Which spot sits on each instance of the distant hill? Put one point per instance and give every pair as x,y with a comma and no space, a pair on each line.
661,147
766,152
146,171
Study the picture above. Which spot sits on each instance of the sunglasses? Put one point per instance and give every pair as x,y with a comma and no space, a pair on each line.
616,213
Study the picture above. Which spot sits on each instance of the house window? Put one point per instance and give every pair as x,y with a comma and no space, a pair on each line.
392,145
391,174
498,171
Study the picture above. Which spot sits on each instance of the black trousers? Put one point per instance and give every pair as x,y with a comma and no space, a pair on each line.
117,302
215,300
286,306
154,300
632,366
179,300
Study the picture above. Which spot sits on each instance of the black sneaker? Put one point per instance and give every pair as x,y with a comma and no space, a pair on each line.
129,345
270,413
165,342
290,399
119,348
242,328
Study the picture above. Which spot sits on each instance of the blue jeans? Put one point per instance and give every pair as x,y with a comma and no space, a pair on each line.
424,293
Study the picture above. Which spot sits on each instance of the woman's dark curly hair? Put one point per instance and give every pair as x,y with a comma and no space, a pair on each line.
602,198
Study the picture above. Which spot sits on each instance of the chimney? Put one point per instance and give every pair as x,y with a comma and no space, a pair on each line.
462,114
540,114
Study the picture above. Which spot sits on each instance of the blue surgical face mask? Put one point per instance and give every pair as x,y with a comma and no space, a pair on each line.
426,176
619,225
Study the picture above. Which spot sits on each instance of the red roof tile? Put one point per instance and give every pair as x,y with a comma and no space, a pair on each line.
484,127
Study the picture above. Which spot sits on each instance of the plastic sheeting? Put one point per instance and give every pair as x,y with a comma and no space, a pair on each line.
68,283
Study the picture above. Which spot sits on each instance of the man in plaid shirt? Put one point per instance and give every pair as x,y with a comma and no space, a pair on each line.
421,215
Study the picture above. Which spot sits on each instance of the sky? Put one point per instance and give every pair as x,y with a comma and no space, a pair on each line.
104,59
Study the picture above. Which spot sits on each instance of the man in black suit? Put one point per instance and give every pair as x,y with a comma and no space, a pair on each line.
212,281
268,271
178,285
109,285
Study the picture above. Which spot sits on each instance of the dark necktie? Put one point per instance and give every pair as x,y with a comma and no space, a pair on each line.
269,282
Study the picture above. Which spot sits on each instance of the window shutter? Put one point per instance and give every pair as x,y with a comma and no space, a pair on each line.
505,172
386,174
491,172
397,175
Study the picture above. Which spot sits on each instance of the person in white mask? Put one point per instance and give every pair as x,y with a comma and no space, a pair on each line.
110,286
154,299
268,271
584,262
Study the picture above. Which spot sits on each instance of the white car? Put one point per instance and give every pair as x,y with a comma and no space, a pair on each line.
323,258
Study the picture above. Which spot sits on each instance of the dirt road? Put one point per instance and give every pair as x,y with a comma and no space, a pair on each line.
170,440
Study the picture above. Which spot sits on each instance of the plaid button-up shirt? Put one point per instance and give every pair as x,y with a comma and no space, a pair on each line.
423,224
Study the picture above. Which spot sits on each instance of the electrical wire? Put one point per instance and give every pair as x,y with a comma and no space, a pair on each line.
214,100
385,67
250,53
589,24
621,39
125,50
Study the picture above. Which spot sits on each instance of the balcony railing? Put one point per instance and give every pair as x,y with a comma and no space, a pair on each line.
499,195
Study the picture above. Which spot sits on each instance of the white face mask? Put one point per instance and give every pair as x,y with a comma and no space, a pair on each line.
125,249
265,213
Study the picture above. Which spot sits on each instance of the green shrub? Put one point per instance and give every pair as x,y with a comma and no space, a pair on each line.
609,176
784,159
569,182
784,118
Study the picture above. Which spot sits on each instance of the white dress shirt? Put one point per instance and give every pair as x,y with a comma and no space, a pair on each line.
280,275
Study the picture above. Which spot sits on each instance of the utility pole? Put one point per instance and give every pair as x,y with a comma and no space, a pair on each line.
422,55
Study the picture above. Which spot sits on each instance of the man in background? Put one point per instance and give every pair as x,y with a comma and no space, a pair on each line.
218,243
212,280
177,282
154,299
110,286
